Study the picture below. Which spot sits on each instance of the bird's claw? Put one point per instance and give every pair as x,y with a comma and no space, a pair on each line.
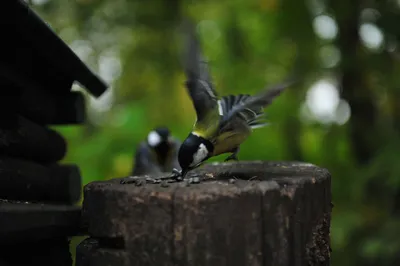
232,157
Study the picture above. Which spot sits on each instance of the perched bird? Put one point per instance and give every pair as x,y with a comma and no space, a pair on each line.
223,123
157,154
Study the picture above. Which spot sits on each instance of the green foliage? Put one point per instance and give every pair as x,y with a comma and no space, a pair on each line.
249,44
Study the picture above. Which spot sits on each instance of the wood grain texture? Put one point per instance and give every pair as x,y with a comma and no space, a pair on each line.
273,213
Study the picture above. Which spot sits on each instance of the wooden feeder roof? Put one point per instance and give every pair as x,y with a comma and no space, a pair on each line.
33,56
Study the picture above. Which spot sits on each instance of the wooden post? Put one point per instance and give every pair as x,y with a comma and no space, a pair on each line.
245,213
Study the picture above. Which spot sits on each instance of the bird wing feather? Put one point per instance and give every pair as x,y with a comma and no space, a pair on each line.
251,108
199,83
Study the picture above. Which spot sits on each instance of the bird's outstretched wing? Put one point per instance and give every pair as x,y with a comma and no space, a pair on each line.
254,117
199,83
250,108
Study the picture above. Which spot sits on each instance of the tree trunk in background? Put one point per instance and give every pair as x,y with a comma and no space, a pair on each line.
304,63
355,87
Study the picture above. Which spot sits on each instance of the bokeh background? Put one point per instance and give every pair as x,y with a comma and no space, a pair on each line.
344,116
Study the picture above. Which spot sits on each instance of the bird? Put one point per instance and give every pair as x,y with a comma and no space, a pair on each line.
157,154
222,123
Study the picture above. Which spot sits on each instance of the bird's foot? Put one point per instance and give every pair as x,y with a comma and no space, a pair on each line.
232,157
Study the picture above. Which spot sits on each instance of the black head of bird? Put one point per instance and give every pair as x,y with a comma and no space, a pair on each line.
160,140
223,123
193,151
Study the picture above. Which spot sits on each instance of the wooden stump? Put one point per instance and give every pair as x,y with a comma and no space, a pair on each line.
246,213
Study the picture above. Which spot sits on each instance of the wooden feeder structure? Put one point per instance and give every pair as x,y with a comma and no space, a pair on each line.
37,193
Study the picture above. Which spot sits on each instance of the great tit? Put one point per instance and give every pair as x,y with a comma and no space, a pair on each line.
157,154
223,123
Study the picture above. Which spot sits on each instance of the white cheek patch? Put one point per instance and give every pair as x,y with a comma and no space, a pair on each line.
153,139
200,155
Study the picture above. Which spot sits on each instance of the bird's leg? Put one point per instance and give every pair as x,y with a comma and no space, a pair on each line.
233,156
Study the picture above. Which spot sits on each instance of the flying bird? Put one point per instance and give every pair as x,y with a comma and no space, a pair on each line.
223,123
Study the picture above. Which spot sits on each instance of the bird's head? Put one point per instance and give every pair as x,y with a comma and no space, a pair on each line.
159,138
193,151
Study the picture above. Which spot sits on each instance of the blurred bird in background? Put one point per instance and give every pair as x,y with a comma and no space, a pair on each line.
157,154
223,123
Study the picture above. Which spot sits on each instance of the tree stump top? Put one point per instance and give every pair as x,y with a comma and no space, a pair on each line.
239,173
242,213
